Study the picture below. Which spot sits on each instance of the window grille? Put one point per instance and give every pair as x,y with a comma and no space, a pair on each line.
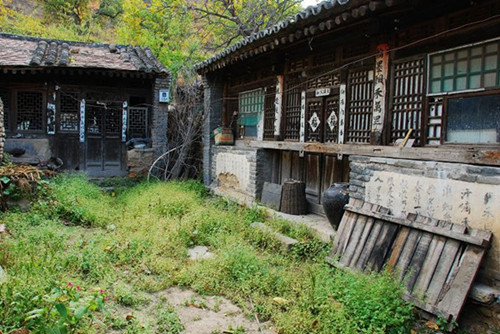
328,80
29,111
434,120
332,120
137,122
466,68
360,108
314,120
269,112
5,96
113,122
292,111
93,119
70,110
406,111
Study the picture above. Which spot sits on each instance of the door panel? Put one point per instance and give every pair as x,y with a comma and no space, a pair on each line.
104,149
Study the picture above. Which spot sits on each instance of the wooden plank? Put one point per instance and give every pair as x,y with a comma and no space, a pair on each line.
459,287
343,226
398,247
286,166
353,242
382,246
403,264
362,241
369,245
431,261
482,241
419,256
444,266
462,154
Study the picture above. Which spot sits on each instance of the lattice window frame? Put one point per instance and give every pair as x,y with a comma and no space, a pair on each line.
359,111
332,104
291,111
138,122
269,112
68,112
465,68
407,100
23,115
6,96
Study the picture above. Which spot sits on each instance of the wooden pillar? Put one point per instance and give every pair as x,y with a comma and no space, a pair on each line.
379,94
278,106
2,130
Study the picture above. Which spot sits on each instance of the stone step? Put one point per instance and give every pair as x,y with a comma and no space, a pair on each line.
286,241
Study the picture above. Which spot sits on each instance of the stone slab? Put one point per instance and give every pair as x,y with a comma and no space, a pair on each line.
271,195
287,242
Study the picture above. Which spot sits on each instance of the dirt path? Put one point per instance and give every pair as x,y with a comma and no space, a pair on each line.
198,314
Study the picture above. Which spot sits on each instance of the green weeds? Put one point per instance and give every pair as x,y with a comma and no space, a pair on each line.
136,243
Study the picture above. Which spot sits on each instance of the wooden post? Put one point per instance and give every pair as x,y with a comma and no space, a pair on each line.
2,130
293,198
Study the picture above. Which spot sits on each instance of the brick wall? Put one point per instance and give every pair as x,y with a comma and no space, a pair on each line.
159,122
213,94
459,193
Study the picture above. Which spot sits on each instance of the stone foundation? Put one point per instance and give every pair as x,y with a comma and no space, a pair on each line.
139,160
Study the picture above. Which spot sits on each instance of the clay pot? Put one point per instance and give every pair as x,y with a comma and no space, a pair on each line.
334,200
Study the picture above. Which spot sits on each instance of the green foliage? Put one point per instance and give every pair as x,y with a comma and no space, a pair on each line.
136,243
179,33
168,321
63,308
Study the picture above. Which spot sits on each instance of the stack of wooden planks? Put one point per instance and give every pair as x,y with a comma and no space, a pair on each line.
437,260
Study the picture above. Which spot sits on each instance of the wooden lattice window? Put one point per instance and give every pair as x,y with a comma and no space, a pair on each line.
29,111
434,120
269,112
292,111
5,96
407,99
360,108
332,119
137,122
327,80
314,119
69,112
113,117
466,68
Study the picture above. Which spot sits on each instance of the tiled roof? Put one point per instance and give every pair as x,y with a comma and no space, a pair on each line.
32,52
309,14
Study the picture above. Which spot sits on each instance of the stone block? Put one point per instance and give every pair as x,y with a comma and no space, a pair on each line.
287,242
484,294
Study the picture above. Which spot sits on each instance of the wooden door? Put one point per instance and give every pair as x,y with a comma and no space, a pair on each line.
104,149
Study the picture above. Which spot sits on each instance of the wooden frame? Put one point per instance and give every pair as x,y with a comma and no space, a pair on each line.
444,123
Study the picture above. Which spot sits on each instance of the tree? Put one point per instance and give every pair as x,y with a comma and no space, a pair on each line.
234,19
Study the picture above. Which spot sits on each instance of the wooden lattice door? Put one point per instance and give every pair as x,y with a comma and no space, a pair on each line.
104,149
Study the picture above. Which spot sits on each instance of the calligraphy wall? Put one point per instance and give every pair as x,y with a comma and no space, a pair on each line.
455,192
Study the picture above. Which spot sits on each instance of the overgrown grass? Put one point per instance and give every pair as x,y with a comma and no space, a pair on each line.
136,243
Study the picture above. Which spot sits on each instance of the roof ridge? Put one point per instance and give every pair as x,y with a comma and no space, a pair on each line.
50,40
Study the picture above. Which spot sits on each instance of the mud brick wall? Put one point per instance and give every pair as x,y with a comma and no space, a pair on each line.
241,169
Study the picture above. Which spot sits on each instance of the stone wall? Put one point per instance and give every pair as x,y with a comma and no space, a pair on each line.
240,169
459,193
139,160
159,121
